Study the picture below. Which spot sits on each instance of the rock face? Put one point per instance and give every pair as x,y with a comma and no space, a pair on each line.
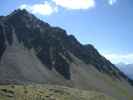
32,51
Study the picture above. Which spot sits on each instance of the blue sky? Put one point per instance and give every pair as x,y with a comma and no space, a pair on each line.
107,24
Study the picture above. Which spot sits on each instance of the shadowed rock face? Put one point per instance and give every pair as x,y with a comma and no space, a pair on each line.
33,33
2,42
51,44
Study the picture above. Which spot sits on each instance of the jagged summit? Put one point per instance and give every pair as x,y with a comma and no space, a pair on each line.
20,11
32,51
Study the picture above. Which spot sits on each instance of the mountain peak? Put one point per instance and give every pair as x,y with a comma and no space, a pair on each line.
25,19
20,12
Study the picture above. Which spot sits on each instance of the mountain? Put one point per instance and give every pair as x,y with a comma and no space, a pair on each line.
34,52
126,68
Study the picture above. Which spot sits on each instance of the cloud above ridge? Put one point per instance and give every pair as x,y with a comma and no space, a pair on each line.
118,58
50,7
75,4
45,8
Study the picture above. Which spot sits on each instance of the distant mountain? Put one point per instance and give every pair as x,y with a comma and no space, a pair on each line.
126,68
32,51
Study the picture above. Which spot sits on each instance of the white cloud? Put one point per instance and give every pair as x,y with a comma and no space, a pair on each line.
118,58
112,2
75,4
50,7
45,8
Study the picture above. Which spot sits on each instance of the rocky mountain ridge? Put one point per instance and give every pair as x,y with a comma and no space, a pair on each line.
32,51
51,43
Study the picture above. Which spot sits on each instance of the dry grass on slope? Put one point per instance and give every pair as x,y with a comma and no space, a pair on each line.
47,92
